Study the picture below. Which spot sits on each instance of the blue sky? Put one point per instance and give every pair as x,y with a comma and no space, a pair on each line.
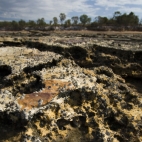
34,9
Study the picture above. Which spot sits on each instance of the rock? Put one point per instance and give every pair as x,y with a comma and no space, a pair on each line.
67,89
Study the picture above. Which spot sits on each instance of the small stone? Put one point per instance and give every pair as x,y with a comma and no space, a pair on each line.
40,102
107,133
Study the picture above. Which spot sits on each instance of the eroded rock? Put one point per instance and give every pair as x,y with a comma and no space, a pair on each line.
48,94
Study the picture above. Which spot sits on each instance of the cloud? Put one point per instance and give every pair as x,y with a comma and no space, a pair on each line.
34,9
129,9
117,3
124,6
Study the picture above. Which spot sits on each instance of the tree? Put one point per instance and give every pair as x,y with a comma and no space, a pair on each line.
41,23
140,22
55,21
84,19
133,19
62,17
75,20
31,23
15,25
89,20
6,25
22,24
116,15
101,21
50,23
67,23
125,19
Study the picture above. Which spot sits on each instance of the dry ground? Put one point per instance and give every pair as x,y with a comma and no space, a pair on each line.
80,32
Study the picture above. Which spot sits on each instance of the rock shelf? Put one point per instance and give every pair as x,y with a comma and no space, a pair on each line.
70,88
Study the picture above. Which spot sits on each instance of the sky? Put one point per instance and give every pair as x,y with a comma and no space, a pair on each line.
34,9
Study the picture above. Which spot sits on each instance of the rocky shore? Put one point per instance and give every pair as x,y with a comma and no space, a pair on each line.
70,87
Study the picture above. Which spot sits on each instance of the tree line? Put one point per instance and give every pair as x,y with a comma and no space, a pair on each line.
118,20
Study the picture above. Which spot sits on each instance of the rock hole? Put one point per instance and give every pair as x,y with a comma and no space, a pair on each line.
5,70
134,83
91,114
61,123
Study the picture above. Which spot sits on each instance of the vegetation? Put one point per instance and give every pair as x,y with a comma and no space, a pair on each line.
75,20
55,21
84,19
67,23
62,17
118,21
41,23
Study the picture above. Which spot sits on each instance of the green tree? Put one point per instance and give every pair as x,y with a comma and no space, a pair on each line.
22,24
5,24
75,20
89,21
116,15
117,18
84,19
125,19
41,23
111,22
140,22
14,25
68,23
133,19
101,20
50,22
55,21
62,17
31,23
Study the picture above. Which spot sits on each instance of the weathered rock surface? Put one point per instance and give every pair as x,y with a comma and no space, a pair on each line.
122,53
65,89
